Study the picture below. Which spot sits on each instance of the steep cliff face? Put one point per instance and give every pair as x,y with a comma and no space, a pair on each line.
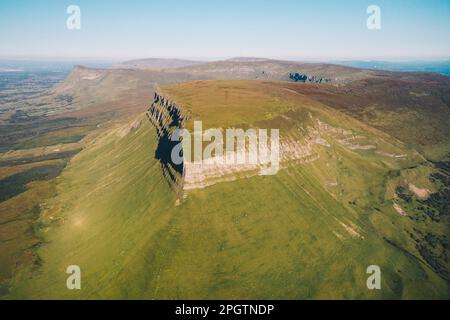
167,117
301,141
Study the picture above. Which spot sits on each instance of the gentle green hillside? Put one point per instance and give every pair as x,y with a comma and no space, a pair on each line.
112,202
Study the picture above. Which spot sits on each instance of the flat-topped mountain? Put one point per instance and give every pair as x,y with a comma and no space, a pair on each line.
363,179
347,195
269,69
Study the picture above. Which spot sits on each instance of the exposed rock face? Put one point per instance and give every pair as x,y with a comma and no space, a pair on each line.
166,116
422,193
213,170
297,77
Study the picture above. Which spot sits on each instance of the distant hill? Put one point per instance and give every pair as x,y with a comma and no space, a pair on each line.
442,67
250,68
156,63
269,69
248,59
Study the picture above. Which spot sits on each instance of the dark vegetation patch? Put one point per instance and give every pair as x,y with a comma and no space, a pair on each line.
434,250
403,194
443,165
442,178
12,134
437,204
298,77
51,156
15,184
49,141
443,175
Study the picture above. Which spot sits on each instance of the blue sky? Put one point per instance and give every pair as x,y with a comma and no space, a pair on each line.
211,29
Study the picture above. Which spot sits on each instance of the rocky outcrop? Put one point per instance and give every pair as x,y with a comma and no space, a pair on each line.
303,148
167,116
298,77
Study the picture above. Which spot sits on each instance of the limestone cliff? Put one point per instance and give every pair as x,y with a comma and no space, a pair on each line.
303,143
166,116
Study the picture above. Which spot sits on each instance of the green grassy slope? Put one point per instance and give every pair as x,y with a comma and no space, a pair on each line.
112,202
292,235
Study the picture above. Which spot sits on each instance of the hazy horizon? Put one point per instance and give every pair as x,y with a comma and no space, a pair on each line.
211,59
60,64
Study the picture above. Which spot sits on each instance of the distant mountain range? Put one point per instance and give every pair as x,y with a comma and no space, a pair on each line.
442,67
156,63
12,65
